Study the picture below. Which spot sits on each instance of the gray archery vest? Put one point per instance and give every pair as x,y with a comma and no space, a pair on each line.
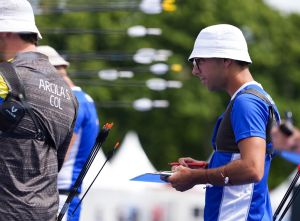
28,163
225,139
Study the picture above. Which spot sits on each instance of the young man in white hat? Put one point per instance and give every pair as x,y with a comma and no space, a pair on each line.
237,173
84,136
37,115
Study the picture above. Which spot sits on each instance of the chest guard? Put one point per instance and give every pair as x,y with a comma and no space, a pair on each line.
225,139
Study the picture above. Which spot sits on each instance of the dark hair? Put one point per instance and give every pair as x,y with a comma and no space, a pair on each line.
29,37
242,63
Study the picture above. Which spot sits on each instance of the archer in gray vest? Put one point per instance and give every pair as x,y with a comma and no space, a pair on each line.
37,114
237,173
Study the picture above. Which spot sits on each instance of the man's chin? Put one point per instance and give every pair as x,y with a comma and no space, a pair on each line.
212,88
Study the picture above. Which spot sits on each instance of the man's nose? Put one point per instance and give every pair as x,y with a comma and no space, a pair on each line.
195,70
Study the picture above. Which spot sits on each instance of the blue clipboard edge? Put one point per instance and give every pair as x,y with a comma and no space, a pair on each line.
152,177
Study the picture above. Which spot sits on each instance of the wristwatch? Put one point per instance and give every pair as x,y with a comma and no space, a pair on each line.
226,178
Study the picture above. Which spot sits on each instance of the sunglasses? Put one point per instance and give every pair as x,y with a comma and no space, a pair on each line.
197,61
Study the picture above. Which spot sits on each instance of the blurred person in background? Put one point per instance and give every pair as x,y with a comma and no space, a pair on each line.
283,140
37,115
237,173
84,136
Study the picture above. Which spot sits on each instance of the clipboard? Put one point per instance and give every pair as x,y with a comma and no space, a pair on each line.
152,177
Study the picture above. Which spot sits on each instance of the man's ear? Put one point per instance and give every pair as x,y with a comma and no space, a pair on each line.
227,62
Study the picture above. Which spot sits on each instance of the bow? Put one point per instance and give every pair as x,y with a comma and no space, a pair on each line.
97,146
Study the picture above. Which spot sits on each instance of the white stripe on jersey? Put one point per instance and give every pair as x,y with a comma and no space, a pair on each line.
229,208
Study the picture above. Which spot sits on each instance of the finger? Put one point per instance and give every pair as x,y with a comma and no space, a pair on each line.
178,168
174,168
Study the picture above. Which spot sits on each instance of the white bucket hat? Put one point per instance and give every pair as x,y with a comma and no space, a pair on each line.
221,41
17,16
54,58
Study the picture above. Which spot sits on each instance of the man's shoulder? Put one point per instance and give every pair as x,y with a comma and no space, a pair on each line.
81,95
248,103
254,94
252,103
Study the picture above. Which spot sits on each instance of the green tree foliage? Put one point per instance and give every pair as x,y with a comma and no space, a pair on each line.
185,128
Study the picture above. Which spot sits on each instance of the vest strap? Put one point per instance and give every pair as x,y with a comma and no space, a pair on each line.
17,93
232,146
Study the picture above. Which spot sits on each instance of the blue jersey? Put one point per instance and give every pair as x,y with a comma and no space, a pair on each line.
86,129
249,117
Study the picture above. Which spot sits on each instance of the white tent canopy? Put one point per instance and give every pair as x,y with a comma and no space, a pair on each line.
131,158
107,177
131,161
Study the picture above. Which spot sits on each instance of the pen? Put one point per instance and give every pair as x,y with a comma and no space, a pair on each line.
195,164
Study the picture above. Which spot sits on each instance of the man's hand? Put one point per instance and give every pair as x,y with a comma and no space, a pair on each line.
283,142
182,179
191,163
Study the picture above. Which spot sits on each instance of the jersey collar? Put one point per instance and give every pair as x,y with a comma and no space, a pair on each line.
245,85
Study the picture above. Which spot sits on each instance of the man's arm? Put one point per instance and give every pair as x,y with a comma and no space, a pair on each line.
74,136
248,169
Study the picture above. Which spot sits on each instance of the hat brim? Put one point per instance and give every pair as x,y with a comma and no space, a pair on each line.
58,62
18,26
217,53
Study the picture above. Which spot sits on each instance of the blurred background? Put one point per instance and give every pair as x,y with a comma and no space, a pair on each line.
131,57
